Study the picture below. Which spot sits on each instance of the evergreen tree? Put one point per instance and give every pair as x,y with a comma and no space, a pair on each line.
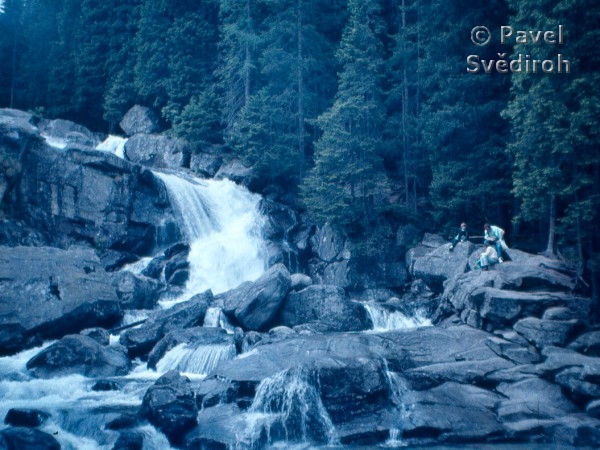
347,185
554,121
459,122
152,53
119,93
239,44
192,56
274,126
405,165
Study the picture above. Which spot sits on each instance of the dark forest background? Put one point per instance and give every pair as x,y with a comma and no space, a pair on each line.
363,109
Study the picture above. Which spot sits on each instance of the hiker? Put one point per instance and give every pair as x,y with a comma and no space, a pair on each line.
461,236
496,235
489,256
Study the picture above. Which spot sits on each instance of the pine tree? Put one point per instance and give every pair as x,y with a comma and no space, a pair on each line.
555,139
239,45
460,126
347,185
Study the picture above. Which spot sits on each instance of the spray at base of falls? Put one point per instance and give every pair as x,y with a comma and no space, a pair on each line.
113,144
198,361
386,320
401,398
223,226
287,408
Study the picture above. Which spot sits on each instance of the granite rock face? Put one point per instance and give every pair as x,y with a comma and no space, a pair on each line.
139,119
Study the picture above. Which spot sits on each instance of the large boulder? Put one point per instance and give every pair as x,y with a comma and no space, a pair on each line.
208,338
333,263
49,292
324,308
23,438
254,305
535,290
440,264
450,411
158,151
139,119
77,194
140,341
68,132
170,405
137,291
17,134
79,354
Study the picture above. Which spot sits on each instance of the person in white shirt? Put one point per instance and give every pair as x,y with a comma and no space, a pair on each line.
496,235
489,256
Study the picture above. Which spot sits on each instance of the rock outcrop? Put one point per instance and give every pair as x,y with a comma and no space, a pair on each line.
512,357
48,293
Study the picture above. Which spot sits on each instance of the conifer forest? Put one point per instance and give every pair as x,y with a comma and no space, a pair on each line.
364,113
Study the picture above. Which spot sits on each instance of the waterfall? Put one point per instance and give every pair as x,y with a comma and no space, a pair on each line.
223,226
113,144
214,317
287,408
400,397
77,412
197,361
386,320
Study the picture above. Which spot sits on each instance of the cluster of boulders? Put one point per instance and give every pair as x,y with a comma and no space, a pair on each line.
512,356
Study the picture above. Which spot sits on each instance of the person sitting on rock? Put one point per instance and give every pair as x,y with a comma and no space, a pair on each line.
461,236
496,235
488,257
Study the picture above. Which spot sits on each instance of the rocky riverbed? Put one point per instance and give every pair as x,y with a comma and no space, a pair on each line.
104,348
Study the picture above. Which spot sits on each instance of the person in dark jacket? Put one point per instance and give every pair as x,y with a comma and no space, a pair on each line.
461,236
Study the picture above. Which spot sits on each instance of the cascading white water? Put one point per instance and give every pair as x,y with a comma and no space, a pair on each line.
214,317
223,225
197,361
78,414
400,397
287,408
113,144
386,320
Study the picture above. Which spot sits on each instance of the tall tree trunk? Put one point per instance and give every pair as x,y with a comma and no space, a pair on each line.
551,227
300,82
247,61
404,113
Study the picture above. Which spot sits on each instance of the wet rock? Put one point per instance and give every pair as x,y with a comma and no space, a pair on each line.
439,265
100,335
218,428
194,337
27,439
449,412
300,281
129,440
543,333
588,344
325,307
92,196
139,119
255,304
31,418
49,292
170,405
533,398
158,151
188,314
205,164
237,172
70,132
81,355
137,291
517,353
